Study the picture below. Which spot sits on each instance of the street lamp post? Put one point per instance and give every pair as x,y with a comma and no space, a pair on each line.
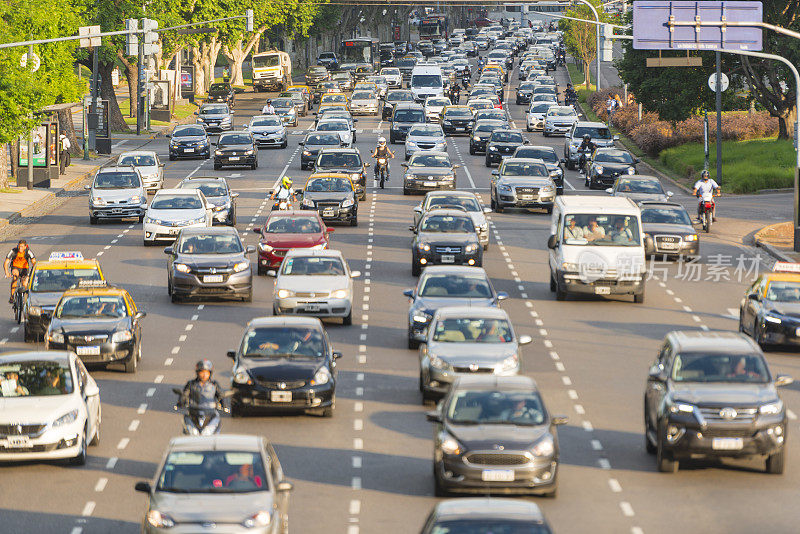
597,47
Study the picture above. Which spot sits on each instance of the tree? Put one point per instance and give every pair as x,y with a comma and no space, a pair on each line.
580,38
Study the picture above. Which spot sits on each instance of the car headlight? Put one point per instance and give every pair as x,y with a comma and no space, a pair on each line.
438,363
98,201
569,266
339,294
259,519
445,121
510,363
599,169
66,419
355,176
471,248
249,152
772,318
348,202
410,143
158,520
306,153
181,267
220,208
241,266
449,445
425,247
307,202
150,220
421,318
476,138
121,336
55,337
322,376
681,407
549,188
34,310
631,170
263,247
241,376
505,188
285,293
690,237
544,447
202,143
218,152
493,148
135,200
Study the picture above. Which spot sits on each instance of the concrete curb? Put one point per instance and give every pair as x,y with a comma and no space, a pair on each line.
773,251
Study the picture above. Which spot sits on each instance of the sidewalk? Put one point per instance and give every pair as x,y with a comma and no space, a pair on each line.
778,241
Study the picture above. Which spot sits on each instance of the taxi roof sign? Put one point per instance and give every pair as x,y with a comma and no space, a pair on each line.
65,255
786,267
91,283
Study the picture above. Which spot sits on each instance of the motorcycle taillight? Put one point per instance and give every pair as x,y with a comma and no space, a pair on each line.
709,205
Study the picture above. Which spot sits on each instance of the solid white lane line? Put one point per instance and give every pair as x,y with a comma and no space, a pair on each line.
356,462
360,392
360,377
356,483
358,444
352,529
355,507
358,424
358,407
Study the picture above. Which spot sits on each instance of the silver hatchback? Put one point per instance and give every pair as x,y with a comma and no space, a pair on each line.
117,193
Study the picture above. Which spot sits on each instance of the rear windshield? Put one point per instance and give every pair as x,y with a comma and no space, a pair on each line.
138,160
409,115
176,202
595,132
292,225
322,139
349,160
519,168
507,137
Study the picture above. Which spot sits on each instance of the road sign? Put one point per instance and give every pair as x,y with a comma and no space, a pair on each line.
35,61
686,25
712,82
86,33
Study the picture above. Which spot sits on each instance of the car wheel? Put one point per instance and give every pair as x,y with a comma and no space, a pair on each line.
488,163
328,410
347,320
275,311
552,283
96,438
141,218
561,292
175,297
80,459
131,364
261,270
775,462
416,269
249,296
664,460
438,490
285,143
27,336
587,183
638,298
254,166
171,157
217,166
93,220
549,210
414,344
354,221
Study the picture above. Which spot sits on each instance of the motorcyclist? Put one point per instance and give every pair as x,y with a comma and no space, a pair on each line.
382,151
455,91
283,191
268,109
202,393
586,145
705,189
569,94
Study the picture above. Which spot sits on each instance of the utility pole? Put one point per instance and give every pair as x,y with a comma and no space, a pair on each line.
30,134
719,115
93,117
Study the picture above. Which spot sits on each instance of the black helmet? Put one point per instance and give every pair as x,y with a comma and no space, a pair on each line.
587,136
704,175
204,365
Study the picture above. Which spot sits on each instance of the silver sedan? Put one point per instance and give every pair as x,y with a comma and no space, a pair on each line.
149,166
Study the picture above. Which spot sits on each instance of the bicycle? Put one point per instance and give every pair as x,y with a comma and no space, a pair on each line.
17,300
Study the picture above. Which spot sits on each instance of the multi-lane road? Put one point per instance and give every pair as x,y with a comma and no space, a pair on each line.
368,469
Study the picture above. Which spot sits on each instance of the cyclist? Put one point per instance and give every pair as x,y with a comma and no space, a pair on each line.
18,264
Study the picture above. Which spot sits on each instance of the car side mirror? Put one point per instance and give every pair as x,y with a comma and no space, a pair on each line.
412,228
234,195
637,160
408,293
559,420
404,165
783,380
524,340
434,416
169,250
285,486
552,242
213,144
495,172
250,249
610,190
140,315
272,273
87,187
754,296
196,113
355,274
562,161
169,136
231,354
669,194
487,210
144,487
257,231
525,142
657,373
502,295
566,134
245,127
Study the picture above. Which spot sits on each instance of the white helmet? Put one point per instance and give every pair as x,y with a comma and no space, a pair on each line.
381,141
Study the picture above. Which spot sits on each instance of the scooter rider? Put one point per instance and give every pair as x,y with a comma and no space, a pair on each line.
705,189
202,393
382,151
283,191
587,144
569,94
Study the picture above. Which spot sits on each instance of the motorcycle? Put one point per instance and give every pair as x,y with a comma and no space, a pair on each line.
382,171
200,422
283,204
707,213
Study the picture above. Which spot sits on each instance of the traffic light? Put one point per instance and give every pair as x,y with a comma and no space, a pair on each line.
249,14
606,43
131,39
149,27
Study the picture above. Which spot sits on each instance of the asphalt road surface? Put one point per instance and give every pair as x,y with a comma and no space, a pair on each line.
368,469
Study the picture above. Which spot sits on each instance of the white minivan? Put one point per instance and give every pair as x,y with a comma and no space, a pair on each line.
426,81
596,247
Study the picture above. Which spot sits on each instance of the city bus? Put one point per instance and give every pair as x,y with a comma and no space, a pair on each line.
549,6
360,50
433,26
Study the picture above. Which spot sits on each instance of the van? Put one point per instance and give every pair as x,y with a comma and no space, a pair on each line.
606,258
426,81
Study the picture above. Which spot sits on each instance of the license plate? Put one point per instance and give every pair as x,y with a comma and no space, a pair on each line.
497,475
188,150
212,278
462,128
280,396
18,441
448,258
173,231
429,184
526,197
669,246
602,290
87,351
327,213
311,307
727,444
234,158
116,210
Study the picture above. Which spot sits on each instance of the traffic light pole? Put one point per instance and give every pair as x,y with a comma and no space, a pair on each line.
30,134
93,104
140,88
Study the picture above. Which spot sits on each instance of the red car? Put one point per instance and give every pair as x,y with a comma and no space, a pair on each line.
289,229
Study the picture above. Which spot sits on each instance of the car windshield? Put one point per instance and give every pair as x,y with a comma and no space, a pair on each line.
545,154
602,230
429,160
322,139
346,160
615,156
390,72
191,131
561,112
282,103
312,266
59,280
541,107
719,367
266,61
292,225
176,202
676,215
400,96
491,114
209,189
438,102
317,70
426,80
138,160
409,115
210,244
363,95
91,306
406,62
328,184
271,120
447,224
219,88
507,137
333,126
214,110
455,286
341,76
487,127
213,471
234,139
470,330
458,112
595,132
327,55
626,185
523,168
544,89
496,407
333,98
426,131
481,105
780,291
35,379
116,180
468,203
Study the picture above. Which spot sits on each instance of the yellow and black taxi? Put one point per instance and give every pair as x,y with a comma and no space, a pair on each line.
770,309
48,281
98,322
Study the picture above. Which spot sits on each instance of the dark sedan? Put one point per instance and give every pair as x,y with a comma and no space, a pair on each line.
347,161
316,74
313,143
606,165
668,230
393,98
428,170
457,119
481,133
404,117
222,92
207,262
447,285
189,141
333,196
639,188
445,236
502,144
218,194
483,515
236,148
525,92
284,364
494,434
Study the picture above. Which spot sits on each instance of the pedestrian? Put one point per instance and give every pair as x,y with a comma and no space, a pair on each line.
617,102
64,154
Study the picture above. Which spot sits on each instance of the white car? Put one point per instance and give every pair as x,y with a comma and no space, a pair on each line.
536,113
394,78
364,102
314,282
51,407
434,105
559,119
149,166
340,126
173,210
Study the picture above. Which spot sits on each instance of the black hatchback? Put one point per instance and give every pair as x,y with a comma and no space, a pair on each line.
313,143
502,144
222,92
189,141
236,148
332,195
